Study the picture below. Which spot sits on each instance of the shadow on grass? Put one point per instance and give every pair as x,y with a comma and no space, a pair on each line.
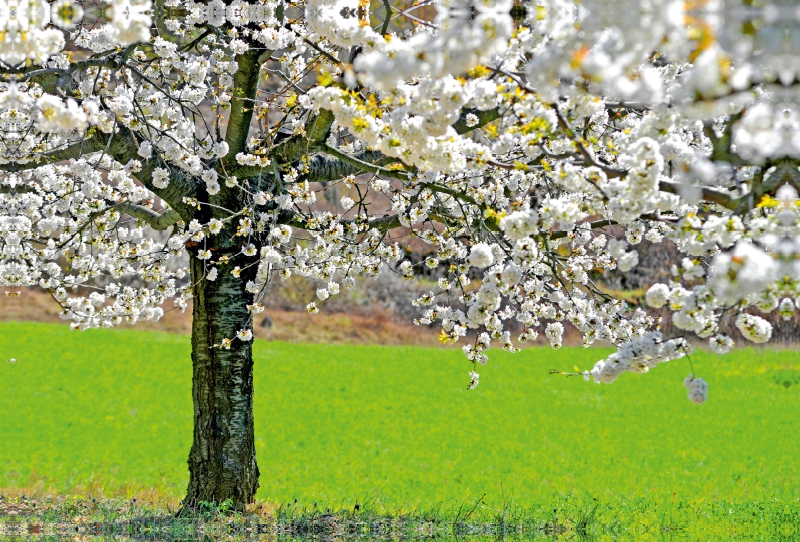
569,518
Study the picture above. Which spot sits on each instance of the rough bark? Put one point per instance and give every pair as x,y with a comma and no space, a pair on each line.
222,461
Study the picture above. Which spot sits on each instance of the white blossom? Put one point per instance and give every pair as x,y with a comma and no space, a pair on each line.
753,328
480,255
720,344
657,295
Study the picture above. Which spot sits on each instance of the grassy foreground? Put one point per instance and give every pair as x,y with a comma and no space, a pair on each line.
110,411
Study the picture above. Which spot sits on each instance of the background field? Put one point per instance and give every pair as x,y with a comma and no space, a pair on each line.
110,410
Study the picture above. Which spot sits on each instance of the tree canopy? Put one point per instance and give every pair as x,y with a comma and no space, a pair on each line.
149,149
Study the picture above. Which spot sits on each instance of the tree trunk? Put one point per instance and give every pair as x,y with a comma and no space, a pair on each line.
222,461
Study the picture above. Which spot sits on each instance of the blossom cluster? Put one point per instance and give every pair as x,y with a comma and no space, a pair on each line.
61,230
37,30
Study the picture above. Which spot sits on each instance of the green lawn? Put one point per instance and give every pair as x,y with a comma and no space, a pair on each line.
339,424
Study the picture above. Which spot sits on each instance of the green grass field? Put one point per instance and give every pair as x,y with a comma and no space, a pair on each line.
111,410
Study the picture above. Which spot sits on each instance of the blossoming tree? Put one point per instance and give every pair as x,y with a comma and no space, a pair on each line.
532,144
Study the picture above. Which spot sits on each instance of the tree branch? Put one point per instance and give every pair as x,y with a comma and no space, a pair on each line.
721,146
325,169
293,148
587,155
484,118
182,185
451,192
708,194
152,218
122,148
245,86
57,80
93,143
365,166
